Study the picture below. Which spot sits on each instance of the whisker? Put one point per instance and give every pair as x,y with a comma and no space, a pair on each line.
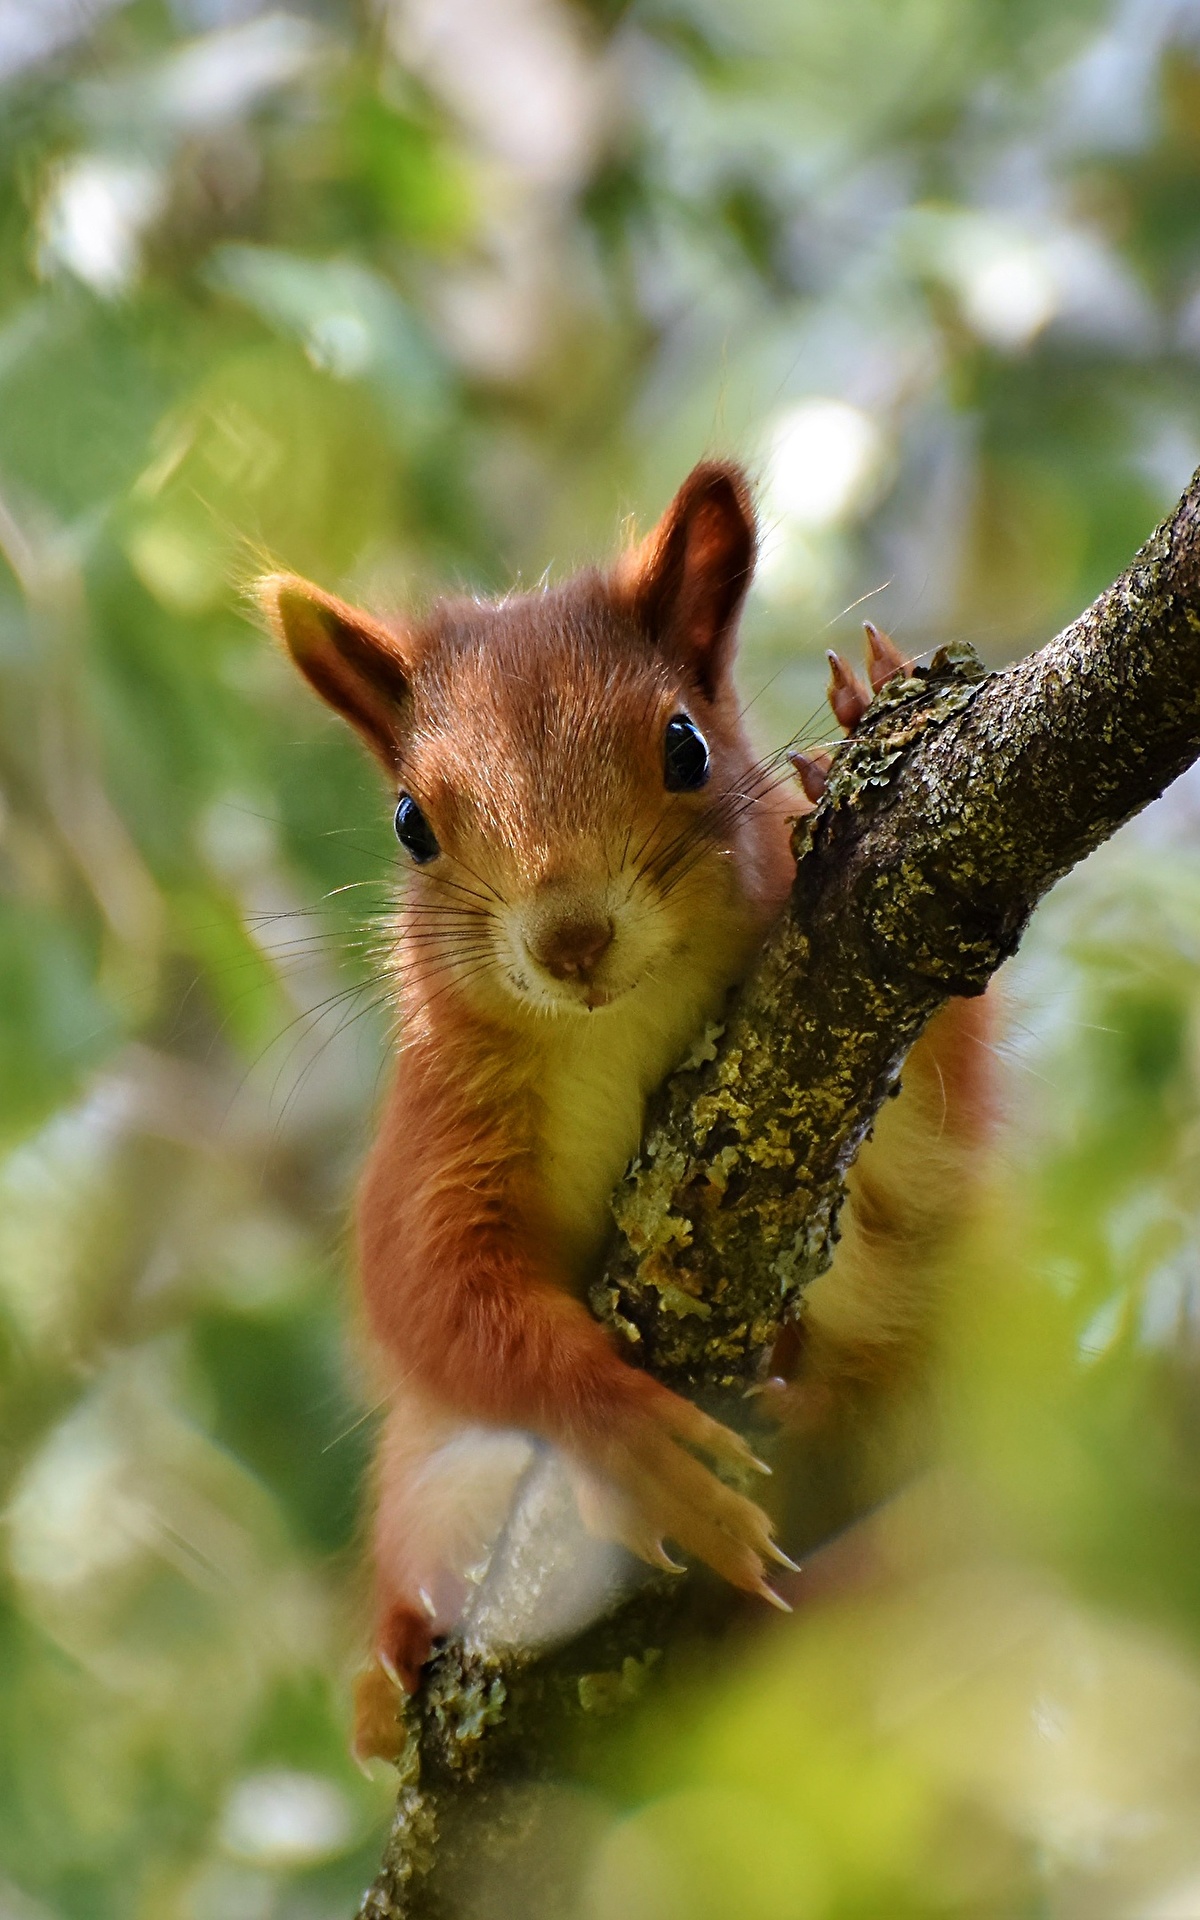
468,893
498,897
354,1426
681,855
442,940
459,979
293,913
306,1015
343,939
343,1026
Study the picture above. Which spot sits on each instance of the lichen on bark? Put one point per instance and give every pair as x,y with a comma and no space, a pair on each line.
731,1207
959,800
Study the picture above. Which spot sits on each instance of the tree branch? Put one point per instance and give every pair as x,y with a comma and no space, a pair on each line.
960,799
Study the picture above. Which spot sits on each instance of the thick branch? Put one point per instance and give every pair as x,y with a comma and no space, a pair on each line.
961,798
953,809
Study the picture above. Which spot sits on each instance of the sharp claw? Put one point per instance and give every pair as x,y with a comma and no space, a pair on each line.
884,659
813,777
843,675
780,1557
772,1598
776,1384
657,1556
847,695
740,1451
391,1672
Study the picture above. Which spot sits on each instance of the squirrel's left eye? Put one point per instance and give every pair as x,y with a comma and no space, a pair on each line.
685,755
414,832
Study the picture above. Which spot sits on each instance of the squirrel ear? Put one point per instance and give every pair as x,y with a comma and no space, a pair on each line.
354,662
687,579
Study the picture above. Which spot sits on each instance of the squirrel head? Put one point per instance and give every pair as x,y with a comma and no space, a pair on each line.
575,798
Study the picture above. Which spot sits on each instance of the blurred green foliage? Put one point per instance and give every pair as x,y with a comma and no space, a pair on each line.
434,292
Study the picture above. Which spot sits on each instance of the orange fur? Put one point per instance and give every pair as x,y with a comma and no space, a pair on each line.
573,928
870,1321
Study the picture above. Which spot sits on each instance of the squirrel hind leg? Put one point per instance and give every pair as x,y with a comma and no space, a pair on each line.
443,1492
869,1324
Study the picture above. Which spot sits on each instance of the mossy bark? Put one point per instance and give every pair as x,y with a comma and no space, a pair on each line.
960,799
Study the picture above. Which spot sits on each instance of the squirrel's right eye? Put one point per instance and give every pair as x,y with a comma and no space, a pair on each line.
685,755
414,832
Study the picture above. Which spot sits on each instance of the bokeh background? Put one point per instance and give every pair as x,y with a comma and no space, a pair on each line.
440,291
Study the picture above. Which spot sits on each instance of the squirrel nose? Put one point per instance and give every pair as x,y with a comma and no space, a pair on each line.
570,948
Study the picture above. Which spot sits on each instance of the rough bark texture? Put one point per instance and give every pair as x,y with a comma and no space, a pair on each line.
961,798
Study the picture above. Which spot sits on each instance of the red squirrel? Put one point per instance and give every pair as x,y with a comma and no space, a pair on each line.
593,858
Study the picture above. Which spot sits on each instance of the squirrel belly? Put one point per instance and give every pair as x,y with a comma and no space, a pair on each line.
592,855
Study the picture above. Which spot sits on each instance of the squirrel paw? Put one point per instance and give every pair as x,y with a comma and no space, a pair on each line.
849,698
650,1489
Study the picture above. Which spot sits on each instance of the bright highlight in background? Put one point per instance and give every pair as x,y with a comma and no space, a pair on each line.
279,1818
93,221
1010,294
825,462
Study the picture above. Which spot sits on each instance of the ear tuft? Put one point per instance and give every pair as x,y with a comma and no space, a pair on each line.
358,665
687,580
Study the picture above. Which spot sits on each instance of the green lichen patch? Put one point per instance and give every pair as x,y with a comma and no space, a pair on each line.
606,1693
461,1703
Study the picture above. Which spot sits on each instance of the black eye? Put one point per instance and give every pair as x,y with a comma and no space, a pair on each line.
414,832
685,756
